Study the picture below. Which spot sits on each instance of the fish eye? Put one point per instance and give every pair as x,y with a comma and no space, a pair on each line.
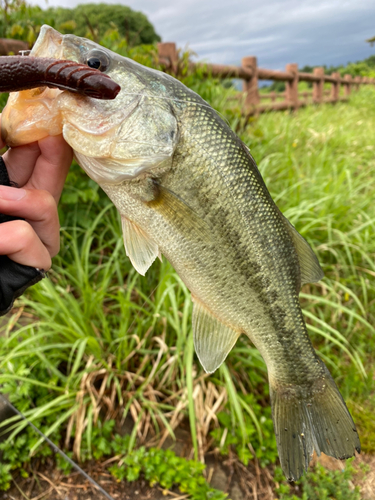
97,59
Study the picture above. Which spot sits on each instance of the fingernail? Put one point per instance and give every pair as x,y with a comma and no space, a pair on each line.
11,193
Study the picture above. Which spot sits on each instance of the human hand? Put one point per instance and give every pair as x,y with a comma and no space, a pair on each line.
39,170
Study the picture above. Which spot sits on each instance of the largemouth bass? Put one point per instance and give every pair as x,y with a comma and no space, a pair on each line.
188,188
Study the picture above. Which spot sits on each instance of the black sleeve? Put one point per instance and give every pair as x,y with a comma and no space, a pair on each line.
14,277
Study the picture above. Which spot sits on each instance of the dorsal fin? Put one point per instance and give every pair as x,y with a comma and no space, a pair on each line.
213,340
311,272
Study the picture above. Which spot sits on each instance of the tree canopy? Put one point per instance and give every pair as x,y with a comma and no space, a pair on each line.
93,20
22,21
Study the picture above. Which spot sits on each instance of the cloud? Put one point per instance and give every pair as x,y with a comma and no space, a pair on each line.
276,31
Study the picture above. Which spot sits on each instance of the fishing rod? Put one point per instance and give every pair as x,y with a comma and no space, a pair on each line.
56,449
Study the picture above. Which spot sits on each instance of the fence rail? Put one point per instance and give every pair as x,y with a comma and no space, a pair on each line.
250,73
8,45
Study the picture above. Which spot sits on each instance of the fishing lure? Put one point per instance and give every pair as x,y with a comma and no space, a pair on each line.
26,72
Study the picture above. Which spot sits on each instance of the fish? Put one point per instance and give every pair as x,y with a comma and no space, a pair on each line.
187,188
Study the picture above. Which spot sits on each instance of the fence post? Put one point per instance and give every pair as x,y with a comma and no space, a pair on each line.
291,87
318,86
357,81
250,87
335,89
168,55
347,87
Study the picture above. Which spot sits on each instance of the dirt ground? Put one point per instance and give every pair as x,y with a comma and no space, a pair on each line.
45,483
241,483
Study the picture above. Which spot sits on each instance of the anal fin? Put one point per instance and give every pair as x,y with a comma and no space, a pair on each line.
212,339
141,250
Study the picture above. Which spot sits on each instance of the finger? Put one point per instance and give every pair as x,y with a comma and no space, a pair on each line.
2,142
20,162
20,242
38,208
40,165
52,166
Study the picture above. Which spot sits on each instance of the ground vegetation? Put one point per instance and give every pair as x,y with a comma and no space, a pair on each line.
101,359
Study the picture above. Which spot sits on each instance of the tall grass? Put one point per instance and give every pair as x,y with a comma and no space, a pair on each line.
318,165
96,340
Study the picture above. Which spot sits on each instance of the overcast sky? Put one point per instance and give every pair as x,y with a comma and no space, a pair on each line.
276,31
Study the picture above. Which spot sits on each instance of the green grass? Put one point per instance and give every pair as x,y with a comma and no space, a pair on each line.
321,484
97,341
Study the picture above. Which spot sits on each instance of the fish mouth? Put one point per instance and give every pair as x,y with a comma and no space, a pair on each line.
30,115
38,106
48,44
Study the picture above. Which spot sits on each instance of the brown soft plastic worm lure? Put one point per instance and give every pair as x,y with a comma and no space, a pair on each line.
27,72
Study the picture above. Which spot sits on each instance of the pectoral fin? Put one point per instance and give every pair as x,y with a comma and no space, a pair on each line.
140,249
174,208
311,272
212,339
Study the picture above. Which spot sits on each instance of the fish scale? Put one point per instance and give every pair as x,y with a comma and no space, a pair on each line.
188,188
233,173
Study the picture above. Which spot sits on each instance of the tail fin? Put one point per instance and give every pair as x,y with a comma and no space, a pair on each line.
305,422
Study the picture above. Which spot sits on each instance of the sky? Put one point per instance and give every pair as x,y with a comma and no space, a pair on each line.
307,32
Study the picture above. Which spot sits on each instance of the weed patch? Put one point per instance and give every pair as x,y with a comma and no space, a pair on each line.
97,343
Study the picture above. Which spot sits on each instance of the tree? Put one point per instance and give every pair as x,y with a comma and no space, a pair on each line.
22,21
371,41
93,20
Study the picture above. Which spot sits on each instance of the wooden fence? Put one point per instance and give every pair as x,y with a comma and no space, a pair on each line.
250,73
8,45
